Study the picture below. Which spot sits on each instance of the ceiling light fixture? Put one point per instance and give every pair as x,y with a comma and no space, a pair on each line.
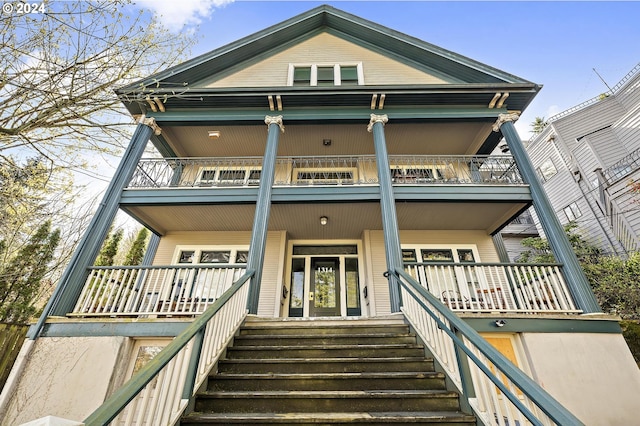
214,134
323,220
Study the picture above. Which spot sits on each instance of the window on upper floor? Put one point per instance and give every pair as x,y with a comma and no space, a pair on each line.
572,212
325,74
546,171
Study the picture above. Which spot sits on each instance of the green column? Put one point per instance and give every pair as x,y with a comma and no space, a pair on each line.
574,275
73,278
263,206
388,208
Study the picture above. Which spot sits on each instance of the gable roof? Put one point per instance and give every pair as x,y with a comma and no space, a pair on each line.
472,74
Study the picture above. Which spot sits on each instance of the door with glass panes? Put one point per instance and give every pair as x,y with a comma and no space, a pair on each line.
324,281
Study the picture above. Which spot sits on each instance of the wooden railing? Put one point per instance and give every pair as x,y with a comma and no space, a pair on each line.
499,393
154,290
160,391
495,287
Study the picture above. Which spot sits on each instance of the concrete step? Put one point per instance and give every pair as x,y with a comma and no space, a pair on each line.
447,418
325,339
326,365
327,401
327,381
345,328
325,351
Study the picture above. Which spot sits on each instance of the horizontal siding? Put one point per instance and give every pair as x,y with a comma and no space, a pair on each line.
629,95
273,257
324,49
594,117
606,146
627,129
483,242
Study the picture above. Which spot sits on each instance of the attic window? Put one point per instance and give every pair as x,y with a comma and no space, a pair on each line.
325,74
302,76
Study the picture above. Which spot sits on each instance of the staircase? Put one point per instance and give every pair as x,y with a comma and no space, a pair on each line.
326,372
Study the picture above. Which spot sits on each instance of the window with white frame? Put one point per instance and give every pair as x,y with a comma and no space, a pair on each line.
212,254
418,174
347,74
241,176
547,170
572,212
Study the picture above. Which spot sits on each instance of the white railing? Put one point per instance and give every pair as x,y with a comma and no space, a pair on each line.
495,287
154,290
160,391
499,393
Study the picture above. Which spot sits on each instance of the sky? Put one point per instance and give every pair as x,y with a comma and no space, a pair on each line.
556,44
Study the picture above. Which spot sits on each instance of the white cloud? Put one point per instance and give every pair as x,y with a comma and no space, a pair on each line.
175,14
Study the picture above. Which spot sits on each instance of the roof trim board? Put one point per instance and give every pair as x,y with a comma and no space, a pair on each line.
326,18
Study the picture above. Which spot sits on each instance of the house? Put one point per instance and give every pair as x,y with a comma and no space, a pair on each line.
325,171
586,158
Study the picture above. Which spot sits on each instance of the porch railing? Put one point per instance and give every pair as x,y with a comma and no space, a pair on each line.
499,392
495,287
160,391
324,170
154,290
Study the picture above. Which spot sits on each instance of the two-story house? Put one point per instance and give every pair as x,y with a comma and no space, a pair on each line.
325,172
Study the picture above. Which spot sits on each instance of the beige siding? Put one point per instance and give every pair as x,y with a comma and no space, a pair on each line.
483,242
324,49
271,279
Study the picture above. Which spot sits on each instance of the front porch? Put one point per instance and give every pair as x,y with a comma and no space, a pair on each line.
179,290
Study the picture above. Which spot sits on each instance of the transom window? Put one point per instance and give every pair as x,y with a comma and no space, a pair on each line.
333,176
209,255
438,254
326,74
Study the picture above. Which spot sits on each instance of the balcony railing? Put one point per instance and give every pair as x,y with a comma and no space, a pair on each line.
324,170
154,290
494,287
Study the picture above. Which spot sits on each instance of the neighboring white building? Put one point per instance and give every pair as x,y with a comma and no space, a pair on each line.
586,157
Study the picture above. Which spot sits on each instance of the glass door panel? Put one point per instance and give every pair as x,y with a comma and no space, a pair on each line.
324,291
296,301
353,287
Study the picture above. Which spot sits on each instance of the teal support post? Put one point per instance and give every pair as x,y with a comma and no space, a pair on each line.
263,207
393,251
498,242
73,278
554,231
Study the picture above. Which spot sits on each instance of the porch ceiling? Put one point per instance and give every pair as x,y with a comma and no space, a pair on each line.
345,220
430,138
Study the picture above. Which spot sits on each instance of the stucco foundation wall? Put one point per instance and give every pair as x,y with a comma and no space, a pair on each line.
67,377
592,374
483,242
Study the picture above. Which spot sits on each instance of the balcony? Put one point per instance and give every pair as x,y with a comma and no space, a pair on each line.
493,287
324,171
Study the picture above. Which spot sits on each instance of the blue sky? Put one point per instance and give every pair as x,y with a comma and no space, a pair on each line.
556,44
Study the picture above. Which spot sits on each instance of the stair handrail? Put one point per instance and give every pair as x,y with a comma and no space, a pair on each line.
459,329
117,402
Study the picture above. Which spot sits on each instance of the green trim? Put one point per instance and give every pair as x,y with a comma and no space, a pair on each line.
199,196
135,327
201,116
486,324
